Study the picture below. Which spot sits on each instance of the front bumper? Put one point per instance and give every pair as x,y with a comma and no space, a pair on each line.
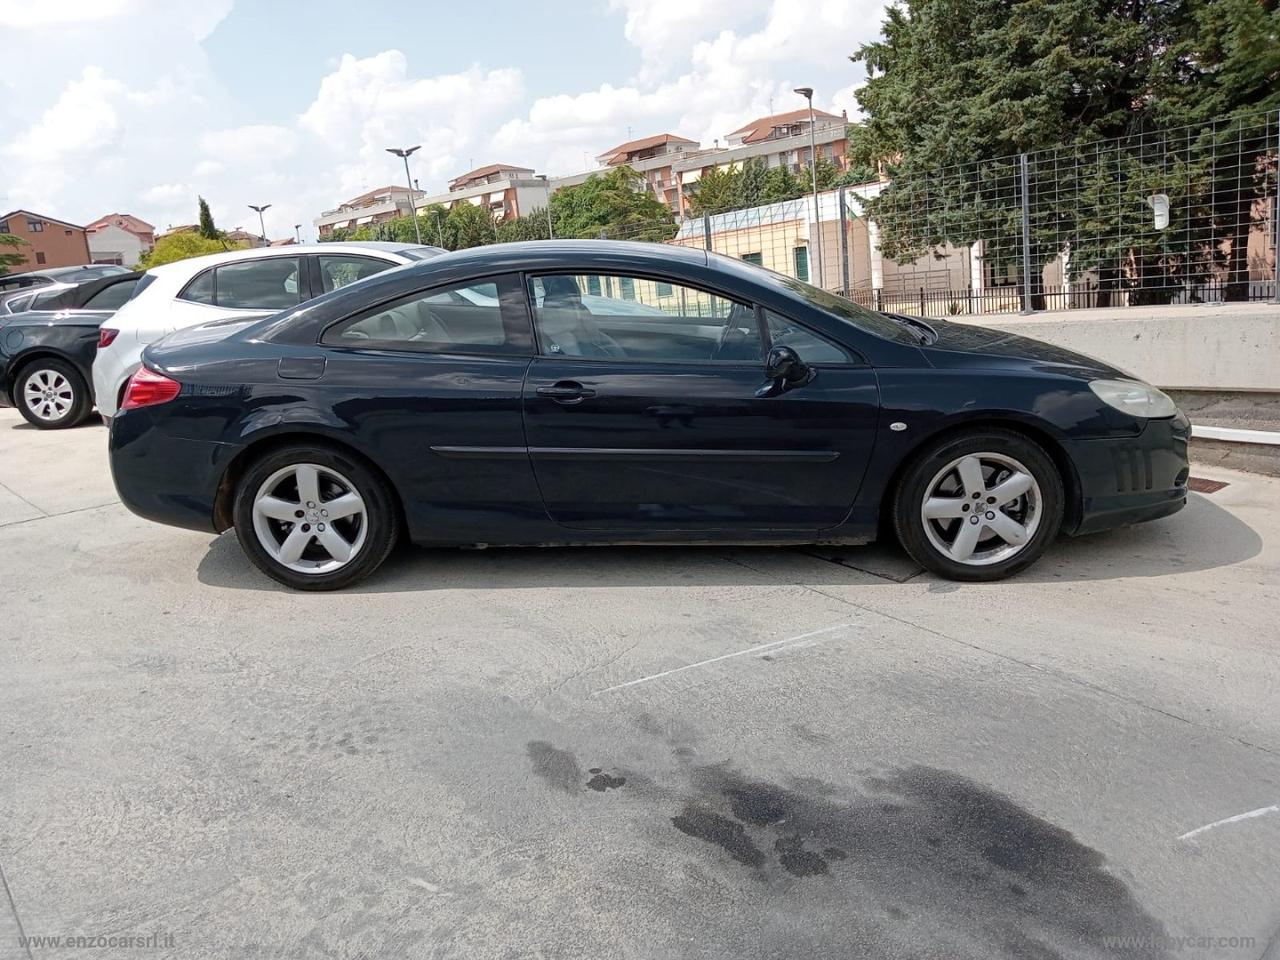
1126,480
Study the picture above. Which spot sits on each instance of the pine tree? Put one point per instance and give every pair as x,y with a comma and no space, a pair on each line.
207,228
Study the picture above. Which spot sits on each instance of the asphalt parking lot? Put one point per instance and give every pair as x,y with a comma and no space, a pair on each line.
625,753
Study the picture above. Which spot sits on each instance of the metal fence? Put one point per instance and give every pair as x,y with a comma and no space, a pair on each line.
1190,215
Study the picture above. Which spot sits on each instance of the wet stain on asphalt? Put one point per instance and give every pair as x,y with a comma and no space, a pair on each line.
963,865
601,781
729,835
559,768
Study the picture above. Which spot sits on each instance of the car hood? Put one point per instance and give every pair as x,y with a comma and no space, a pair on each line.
967,345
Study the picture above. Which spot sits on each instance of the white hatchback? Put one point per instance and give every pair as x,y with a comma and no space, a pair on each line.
239,283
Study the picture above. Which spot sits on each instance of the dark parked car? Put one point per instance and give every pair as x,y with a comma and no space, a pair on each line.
39,278
473,399
47,351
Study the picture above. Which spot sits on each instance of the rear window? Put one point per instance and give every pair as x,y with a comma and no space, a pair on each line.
147,280
112,297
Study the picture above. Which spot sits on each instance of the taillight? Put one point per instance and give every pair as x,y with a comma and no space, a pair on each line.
147,388
106,336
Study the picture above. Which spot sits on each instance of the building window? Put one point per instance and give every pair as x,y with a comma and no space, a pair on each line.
35,226
593,285
663,289
39,256
4,226
802,263
756,258
627,287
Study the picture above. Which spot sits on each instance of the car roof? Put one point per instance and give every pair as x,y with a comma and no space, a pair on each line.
193,265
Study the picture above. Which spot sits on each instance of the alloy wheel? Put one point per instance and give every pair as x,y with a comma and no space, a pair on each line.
982,508
48,394
310,518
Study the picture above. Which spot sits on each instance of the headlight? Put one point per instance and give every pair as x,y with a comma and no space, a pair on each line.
1134,398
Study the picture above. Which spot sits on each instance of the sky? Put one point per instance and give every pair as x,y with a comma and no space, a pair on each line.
140,106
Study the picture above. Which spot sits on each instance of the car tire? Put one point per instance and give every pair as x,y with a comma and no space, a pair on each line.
291,536
51,394
979,505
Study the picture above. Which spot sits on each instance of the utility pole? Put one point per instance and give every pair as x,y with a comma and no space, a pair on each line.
546,185
807,93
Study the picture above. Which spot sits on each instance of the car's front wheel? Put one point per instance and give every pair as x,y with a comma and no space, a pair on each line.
52,395
314,518
980,505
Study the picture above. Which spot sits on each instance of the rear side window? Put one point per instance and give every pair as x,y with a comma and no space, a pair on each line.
269,284
338,270
199,290
258,284
484,316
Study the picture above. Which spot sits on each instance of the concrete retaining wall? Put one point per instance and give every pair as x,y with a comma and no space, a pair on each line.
1219,347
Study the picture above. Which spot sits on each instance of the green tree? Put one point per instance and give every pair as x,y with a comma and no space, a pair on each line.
207,228
15,258
468,225
953,84
780,184
719,190
531,226
855,174
751,185
183,246
616,203
826,172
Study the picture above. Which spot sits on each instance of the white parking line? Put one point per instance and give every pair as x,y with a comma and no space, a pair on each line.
758,648
1260,812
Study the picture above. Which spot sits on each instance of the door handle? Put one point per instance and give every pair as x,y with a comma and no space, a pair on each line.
566,391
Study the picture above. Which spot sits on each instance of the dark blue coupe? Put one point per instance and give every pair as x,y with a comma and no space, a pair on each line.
602,392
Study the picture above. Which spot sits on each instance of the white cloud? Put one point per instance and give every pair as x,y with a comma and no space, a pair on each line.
29,14
730,78
147,133
369,104
208,168
661,29
167,193
82,124
254,144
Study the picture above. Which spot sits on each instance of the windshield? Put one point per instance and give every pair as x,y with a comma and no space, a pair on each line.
868,321
419,253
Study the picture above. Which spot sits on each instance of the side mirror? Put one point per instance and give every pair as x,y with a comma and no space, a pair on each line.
784,370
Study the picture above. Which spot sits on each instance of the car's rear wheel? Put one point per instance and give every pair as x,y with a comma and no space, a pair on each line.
981,505
314,518
51,394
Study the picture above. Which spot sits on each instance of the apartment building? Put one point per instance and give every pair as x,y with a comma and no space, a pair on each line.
780,139
375,206
119,238
48,242
507,191
653,158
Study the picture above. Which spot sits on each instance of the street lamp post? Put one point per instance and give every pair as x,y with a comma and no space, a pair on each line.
404,155
261,223
807,93
297,232
546,185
